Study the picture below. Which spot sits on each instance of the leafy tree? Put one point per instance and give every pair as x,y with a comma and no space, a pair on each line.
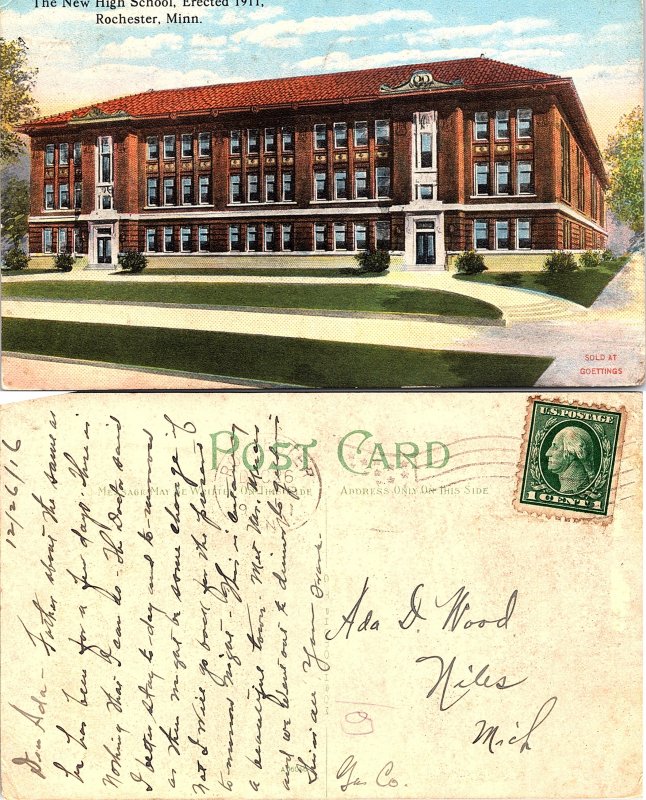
625,156
17,105
15,210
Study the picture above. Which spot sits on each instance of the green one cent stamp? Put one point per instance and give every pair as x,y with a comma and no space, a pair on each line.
570,453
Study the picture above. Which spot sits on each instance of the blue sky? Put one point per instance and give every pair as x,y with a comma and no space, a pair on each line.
597,42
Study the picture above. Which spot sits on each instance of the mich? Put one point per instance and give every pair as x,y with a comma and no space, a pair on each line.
424,160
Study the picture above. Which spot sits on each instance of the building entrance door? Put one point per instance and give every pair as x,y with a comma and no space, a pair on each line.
425,247
104,248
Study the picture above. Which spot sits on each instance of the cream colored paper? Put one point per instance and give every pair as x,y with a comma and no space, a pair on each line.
171,630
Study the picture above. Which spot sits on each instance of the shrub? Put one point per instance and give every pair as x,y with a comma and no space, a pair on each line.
606,256
590,259
64,262
132,261
373,260
559,262
470,263
15,259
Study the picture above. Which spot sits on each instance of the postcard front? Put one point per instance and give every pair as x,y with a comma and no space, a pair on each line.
205,194
321,596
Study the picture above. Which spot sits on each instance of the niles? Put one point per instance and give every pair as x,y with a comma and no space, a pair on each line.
353,448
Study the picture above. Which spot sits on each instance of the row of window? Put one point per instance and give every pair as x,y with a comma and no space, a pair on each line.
63,195
503,183
502,238
63,244
268,237
187,195
64,153
359,131
501,124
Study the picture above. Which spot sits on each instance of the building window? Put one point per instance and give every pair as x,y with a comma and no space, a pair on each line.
288,186
502,124
253,141
320,185
78,195
361,184
105,162
525,177
253,189
340,242
63,154
482,177
235,243
426,150
106,201
203,238
503,177
252,238
287,237
185,240
64,195
47,241
151,239
580,168
169,244
78,240
341,185
425,191
49,155
481,126
382,132
565,162
382,235
204,144
152,148
360,134
169,146
234,143
77,154
270,187
269,237
320,137
62,240
320,237
360,236
567,234
169,191
383,181
152,192
270,140
524,123
523,234
204,185
502,234
288,140
187,190
49,195
187,145
481,234
235,189
594,209
340,134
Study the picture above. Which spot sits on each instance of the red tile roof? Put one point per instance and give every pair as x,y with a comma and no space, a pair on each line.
332,87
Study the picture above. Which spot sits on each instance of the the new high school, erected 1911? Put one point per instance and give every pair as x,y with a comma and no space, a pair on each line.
426,160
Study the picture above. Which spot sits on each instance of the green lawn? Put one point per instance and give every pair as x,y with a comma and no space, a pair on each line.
338,297
582,287
296,362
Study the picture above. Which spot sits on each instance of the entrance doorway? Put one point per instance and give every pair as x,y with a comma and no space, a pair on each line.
104,246
425,247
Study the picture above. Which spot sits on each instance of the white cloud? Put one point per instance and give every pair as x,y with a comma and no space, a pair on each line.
234,16
286,33
338,60
522,55
613,32
547,39
199,40
141,47
450,33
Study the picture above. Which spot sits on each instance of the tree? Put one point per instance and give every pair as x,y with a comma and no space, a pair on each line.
625,157
17,105
15,211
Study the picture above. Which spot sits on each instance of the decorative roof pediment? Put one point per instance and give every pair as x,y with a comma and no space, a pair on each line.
420,81
96,114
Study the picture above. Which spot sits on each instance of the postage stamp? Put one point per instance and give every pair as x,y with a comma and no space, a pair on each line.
569,459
